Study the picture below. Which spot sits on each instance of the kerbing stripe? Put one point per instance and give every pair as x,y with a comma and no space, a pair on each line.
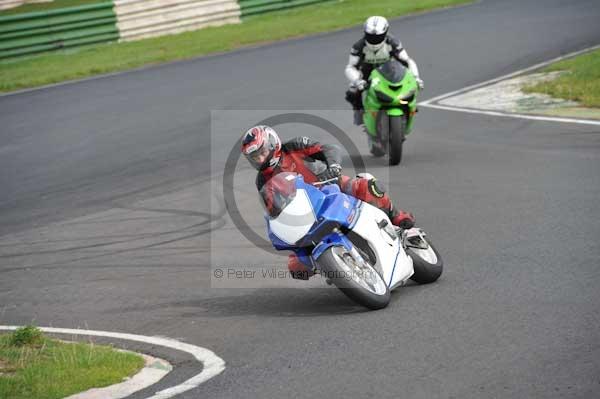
212,364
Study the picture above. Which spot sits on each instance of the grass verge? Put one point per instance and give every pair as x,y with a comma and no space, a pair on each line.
56,67
580,82
43,368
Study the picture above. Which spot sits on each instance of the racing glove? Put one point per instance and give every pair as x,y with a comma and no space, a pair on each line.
333,171
360,84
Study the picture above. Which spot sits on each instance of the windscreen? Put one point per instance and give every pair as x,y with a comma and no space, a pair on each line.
393,71
278,192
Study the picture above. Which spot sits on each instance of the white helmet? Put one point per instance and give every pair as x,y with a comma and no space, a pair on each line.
376,29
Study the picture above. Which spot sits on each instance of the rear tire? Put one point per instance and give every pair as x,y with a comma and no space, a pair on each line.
397,132
329,263
425,270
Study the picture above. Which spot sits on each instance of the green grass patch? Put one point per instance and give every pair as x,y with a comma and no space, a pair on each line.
57,67
35,367
580,82
34,7
28,335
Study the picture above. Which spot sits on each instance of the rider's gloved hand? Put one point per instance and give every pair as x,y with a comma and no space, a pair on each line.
420,83
360,84
333,171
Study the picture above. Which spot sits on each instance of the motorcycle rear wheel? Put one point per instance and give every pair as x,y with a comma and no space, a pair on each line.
427,262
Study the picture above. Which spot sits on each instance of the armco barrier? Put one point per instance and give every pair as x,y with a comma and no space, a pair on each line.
254,7
34,32
139,19
29,33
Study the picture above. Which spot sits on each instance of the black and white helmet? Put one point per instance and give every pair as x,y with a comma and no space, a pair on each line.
376,29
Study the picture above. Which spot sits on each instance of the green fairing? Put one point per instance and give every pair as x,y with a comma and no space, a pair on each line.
403,89
395,112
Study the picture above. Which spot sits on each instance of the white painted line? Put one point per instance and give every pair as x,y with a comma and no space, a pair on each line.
516,116
212,364
433,102
510,75
154,370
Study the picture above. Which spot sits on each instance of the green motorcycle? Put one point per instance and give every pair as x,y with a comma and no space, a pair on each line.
390,105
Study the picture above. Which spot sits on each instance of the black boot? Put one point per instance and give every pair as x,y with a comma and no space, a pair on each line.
355,99
358,117
375,147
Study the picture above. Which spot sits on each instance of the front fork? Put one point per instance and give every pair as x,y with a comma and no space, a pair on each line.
372,121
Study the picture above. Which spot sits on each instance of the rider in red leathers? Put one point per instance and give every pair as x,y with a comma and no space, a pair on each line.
315,162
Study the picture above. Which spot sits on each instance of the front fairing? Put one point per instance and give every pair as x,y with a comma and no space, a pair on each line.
385,94
311,214
294,221
337,210
395,97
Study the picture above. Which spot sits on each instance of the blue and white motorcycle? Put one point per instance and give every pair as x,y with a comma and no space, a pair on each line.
350,242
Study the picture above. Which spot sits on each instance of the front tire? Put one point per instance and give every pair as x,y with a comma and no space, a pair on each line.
397,132
358,280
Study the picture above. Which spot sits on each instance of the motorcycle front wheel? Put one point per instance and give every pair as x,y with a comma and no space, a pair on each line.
355,277
397,133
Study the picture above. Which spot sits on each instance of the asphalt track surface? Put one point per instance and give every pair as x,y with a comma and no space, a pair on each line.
109,220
